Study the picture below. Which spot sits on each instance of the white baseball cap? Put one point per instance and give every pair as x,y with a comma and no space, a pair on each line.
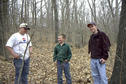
24,25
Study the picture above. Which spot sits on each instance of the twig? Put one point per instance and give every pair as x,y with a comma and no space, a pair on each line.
20,73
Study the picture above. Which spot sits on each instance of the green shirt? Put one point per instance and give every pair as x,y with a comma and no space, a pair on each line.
62,53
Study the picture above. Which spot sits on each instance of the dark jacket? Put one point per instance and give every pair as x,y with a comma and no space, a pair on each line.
99,45
62,53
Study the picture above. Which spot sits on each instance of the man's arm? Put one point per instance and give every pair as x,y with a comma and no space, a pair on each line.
54,55
30,50
12,52
89,46
69,54
106,46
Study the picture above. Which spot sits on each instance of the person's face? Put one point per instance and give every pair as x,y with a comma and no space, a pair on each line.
93,28
61,39
23,30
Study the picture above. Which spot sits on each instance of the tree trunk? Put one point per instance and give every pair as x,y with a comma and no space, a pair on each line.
119,71
56,20
22,10
3,26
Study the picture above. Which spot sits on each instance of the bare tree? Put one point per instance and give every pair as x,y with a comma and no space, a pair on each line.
22,11
119,71
93,9
50,17
3,25
54,2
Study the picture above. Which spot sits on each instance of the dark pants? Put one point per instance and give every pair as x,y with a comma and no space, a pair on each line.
63,66
25,71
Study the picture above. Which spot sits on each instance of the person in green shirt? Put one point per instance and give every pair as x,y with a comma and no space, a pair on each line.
62,56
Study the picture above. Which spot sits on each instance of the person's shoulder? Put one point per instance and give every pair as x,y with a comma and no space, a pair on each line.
66,44
57,44
102,33
27,34
14,35
91,35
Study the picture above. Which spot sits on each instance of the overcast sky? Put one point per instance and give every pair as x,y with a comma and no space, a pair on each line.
86,5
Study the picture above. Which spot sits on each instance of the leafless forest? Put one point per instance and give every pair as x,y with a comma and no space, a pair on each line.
47,19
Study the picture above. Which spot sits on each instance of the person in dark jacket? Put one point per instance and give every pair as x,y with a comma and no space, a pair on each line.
99,45
61,57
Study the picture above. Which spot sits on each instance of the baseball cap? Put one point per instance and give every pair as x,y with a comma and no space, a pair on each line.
91,23
24,25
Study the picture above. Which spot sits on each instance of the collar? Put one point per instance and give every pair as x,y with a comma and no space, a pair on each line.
97,32
94,35
62,45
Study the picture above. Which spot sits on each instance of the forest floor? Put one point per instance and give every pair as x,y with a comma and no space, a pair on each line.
43,70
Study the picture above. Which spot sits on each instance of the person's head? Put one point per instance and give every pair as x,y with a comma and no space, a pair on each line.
23,28
61,38
92,27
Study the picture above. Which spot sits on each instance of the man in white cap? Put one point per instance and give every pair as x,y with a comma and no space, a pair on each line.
17,45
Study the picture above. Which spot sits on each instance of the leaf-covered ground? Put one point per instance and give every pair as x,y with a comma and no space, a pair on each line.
43,70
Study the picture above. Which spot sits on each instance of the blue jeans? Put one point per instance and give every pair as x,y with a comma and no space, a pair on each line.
98,71
25,71
63,66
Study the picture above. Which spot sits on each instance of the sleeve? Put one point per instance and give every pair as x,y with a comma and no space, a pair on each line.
11,41
89,46
106,46
55,54
69,54
30,44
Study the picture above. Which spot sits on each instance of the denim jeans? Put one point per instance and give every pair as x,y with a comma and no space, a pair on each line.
98,71
63,66
25,71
